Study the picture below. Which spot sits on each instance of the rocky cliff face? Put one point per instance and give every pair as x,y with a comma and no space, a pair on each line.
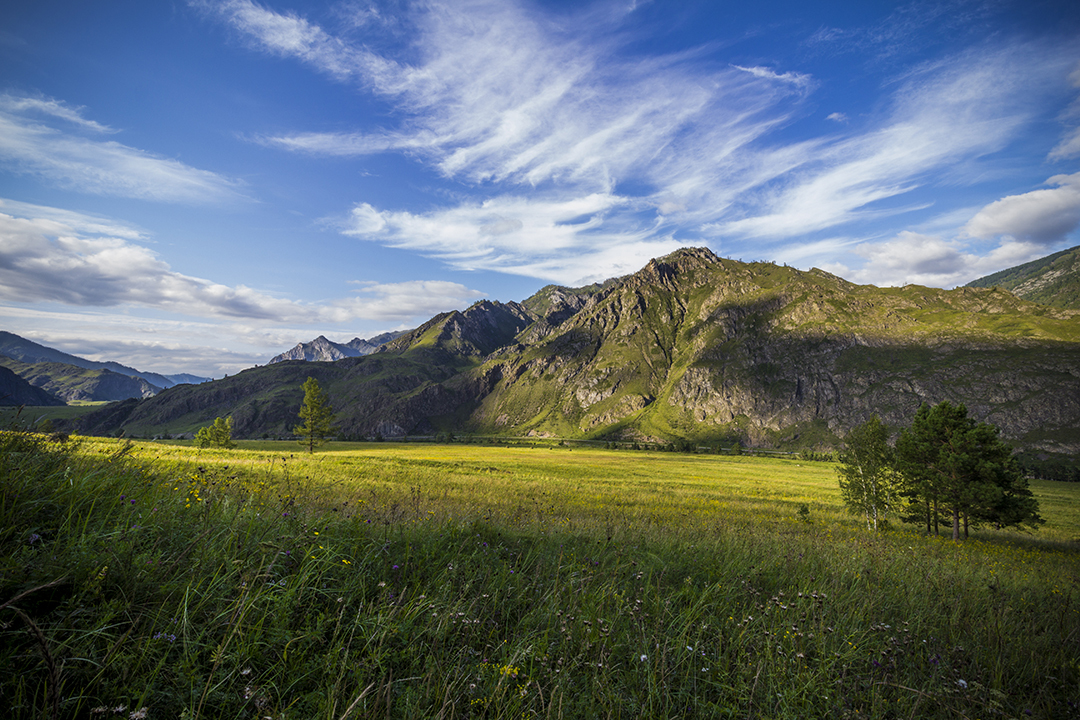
696,346
691,347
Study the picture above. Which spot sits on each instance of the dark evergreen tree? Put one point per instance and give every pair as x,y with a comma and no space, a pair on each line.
953,465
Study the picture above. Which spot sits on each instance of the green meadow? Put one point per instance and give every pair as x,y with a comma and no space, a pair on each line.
156,580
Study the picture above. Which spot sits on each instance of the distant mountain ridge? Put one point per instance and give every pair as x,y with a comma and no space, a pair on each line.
68,378
1053,280
322,350
28,351
693,347
71,383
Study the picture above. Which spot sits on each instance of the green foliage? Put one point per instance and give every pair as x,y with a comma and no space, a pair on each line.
317,415
869,484
218,435
952,464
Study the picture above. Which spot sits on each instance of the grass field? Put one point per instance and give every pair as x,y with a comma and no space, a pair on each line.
381,580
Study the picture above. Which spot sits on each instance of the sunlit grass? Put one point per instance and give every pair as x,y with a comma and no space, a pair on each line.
482,581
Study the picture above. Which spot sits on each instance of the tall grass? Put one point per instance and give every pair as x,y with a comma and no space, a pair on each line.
413,581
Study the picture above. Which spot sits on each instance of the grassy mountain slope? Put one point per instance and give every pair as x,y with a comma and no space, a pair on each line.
75,384
1052,280
691,347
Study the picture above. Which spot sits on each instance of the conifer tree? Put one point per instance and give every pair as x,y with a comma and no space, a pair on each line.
317,415
955,465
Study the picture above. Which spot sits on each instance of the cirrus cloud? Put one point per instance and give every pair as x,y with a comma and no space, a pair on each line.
94,166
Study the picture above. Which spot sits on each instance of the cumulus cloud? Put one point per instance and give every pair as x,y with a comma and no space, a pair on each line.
1040,216
100,167
63,259
921,259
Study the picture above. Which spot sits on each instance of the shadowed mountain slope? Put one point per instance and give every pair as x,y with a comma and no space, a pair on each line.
14,390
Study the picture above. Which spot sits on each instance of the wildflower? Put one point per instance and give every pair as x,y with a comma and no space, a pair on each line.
962,684
644,657
34,537
139,714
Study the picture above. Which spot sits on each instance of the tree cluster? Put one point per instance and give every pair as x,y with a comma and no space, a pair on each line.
944,467
218,435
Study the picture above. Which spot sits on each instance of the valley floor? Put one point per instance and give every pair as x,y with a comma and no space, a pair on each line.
485,581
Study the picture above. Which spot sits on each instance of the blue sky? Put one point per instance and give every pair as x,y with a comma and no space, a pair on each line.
197,186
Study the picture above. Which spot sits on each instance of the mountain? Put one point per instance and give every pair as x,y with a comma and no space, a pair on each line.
322,350
16,391
1052,280
70,383
27,351
690,347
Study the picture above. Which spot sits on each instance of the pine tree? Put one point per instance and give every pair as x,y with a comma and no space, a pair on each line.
317,415
954,465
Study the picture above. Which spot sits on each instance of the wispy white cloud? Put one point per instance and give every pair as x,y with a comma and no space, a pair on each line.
94,166
60,257
536,115
495,95
23,105
802,81
72,221
942,115
565,241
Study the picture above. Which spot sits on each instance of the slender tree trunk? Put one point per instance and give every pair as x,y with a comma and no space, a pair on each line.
928,516
955,523
965,525
937,518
